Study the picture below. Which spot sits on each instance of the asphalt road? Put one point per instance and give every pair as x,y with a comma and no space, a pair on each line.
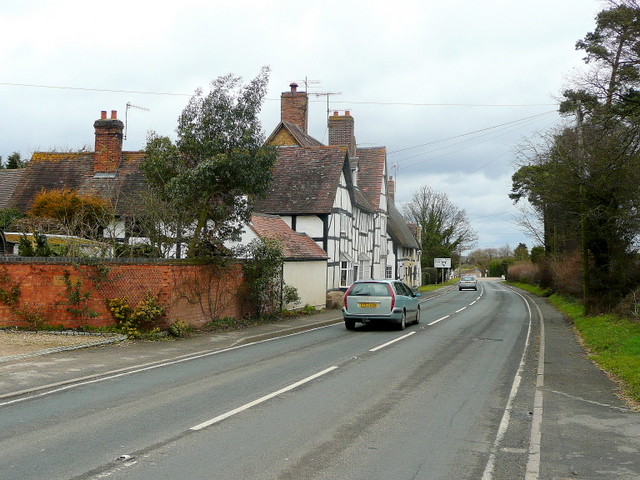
491,386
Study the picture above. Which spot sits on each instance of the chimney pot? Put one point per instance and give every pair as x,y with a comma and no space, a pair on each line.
114,114
294,87
103,115
347,113
335,114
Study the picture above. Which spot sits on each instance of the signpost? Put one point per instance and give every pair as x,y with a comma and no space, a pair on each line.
441,263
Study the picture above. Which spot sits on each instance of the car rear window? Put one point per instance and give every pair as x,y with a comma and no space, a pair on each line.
371,289
467,279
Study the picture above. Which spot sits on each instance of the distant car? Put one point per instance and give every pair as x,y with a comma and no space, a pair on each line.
468,281
369,301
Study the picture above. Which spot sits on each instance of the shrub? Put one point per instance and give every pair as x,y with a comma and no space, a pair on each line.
179,329
31,314
9,291
135,322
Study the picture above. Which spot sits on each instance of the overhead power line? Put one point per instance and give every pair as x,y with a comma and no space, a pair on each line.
142,92
59,87
410,104
475,131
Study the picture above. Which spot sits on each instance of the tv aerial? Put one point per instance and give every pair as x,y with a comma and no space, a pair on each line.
126,116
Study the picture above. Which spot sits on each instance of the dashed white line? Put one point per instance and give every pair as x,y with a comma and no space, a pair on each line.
247,406
379,347
458,311
438,320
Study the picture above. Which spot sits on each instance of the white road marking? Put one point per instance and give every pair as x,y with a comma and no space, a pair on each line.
535,439
247,406
439,320
458,311
506,416
379,347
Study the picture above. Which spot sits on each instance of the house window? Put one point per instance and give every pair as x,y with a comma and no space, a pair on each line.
389,271
344,274
365,271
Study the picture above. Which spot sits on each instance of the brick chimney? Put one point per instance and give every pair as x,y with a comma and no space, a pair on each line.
294,108
341,129
391,188
108,143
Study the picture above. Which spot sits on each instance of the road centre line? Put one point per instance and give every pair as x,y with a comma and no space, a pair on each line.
458,311
439,320
379,347
247,406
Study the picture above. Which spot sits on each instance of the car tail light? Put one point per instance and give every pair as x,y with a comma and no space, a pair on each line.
393,296
346,306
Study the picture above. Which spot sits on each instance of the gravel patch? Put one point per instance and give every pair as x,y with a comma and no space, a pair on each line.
16,345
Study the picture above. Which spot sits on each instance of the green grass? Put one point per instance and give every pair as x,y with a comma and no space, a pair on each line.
432,287
613,342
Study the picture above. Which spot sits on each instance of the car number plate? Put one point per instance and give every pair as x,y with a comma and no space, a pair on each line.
368,305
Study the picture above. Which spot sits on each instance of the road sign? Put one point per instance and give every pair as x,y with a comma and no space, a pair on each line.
442,263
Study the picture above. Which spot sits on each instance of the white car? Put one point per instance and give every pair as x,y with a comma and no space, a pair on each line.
468,281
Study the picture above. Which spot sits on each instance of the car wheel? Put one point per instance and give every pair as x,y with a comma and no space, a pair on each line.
476,289
350,324
417,316
459,289
403,321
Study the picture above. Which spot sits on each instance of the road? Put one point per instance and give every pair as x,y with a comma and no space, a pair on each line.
452,398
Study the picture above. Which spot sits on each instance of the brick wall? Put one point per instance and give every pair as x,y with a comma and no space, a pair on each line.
192,293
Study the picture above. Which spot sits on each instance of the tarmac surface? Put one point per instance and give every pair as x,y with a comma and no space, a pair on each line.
589,430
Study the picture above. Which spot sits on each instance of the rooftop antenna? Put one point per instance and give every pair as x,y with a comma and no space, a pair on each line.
307,83
126,116
327,94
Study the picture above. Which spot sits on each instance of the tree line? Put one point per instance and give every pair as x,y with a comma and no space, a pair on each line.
578,184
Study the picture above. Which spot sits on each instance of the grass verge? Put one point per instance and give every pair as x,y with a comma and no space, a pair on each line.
613,342
431,287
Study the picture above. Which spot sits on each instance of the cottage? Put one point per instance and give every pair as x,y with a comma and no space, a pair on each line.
339,196
108,173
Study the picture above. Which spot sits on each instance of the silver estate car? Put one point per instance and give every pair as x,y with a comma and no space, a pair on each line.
380,300
468,281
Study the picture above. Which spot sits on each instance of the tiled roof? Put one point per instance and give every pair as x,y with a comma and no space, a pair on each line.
371,162
305,181
398,229
9,179
50,171
298,136
295,246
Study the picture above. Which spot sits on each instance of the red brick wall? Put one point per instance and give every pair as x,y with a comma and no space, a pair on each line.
191,293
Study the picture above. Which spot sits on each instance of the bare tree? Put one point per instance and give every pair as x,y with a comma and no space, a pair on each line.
445,229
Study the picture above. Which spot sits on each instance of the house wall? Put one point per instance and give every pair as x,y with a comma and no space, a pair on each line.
192,293
298,274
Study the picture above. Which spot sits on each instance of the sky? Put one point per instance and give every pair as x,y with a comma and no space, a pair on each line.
450,88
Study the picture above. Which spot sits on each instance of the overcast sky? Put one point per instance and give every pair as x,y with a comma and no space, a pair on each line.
419,77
